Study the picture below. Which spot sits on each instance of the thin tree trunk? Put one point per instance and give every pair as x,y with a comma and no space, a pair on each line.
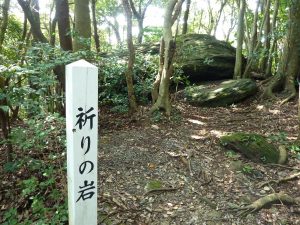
4,121
115,27
266,44
219,17
268,71
252,60
4,23
240,37
34,19
186,17
129,72
53,31
140,15
163,100
95,29
155,89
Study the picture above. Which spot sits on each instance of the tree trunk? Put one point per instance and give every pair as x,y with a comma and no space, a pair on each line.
266,44
240,37
34,19
4,23
155,89
289,65
252,43
140,15
63,21
4,121
115,26
82,40
141,31
129,72
219,16
95,29
163,100
53,31
268,71
186,17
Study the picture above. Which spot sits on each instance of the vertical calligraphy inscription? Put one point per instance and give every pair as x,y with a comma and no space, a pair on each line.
82,141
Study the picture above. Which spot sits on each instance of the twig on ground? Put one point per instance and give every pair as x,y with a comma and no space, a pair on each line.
283,166
160,190
285,179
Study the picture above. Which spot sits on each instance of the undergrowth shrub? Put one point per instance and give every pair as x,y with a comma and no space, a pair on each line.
39,168
112,82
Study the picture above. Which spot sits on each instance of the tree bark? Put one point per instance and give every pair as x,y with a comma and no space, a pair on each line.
163,100
115,27
34,19
4,121
140,16
186,17
53,31
266,43
289,64
95,29
63,22
268,71
129,71
219,16
155,89
4,23
240,37
82,40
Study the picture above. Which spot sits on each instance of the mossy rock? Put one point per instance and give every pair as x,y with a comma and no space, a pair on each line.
254,147
200,56
226,93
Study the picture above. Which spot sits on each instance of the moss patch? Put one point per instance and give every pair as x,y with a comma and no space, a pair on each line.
226,93
253,146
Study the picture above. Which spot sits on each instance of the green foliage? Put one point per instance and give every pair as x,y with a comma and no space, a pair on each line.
156,117
247,169
11,46
41,159
231,154
281,137
295,150
112,82
152,34
153,185
11,217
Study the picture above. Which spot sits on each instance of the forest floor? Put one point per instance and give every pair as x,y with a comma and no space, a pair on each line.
174,171
155,170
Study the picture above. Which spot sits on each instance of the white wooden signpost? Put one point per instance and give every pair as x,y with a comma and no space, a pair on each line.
82,141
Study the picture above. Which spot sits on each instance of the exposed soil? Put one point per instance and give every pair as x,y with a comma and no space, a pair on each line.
199,181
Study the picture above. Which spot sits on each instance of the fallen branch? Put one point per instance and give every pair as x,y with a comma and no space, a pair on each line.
160,190
285,179
283,166
267,201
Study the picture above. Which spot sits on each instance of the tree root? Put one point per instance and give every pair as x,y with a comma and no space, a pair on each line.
290,97
285,179
266,201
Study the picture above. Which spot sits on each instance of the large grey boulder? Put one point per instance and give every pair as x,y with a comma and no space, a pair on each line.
203,57
226,93
200,56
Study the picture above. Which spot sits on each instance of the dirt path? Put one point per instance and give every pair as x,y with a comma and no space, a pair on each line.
197,180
